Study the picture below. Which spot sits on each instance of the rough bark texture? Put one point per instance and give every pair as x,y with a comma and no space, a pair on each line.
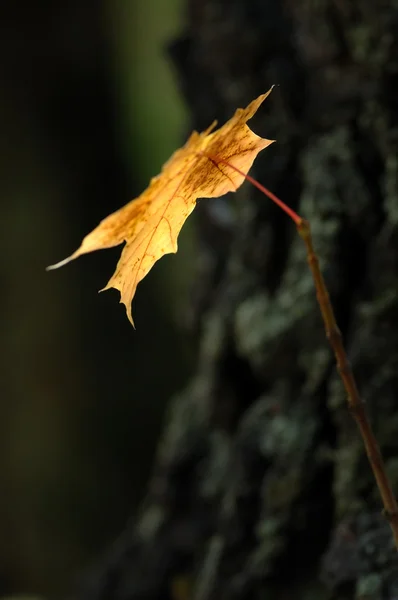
261,487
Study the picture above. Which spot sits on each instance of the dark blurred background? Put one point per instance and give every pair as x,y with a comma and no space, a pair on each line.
89,111
262,486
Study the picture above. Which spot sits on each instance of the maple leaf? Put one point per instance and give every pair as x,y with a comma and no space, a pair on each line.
151,223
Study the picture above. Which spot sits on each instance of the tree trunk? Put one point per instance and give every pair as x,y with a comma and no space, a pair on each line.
261,487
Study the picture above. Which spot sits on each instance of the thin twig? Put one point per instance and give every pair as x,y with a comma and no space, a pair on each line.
333,334
355,403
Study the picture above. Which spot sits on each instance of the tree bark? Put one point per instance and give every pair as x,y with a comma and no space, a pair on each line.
261,487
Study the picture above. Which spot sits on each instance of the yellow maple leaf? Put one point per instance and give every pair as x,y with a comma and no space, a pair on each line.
151,223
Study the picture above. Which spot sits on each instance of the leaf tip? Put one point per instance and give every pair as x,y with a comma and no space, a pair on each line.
59,264
110,286
128,313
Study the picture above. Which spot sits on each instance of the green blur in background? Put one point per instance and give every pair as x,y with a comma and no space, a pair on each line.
89,111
